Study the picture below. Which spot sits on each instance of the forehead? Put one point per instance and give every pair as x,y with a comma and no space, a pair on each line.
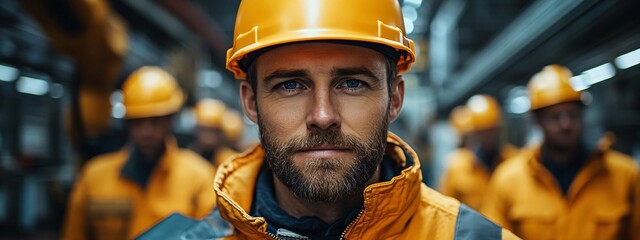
562,107
320,55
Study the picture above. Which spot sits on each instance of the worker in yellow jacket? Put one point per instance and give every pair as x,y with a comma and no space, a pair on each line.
233,128
119,195
564,188
321,79
470,166
212,138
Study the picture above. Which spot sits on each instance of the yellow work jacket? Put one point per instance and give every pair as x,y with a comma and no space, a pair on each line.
105,205
601,203
402,208
221,156
466,179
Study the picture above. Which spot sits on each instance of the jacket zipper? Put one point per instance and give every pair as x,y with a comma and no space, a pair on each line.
271,235
351,224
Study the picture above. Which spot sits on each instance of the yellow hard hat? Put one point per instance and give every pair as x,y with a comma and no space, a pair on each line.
460,119
232,124
484,112
209,113
260,24
151,92
551,86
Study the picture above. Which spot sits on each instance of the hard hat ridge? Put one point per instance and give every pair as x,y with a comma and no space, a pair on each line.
261,24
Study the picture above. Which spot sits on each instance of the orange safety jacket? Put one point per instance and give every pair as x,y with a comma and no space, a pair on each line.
402,208
105,205
221,157
466,179
602,201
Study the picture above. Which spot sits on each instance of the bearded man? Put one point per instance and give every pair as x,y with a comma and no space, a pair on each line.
321,80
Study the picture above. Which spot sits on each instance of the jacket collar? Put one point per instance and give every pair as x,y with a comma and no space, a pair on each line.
235,185
593,165
169,160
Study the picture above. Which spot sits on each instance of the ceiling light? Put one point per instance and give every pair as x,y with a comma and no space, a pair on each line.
209,78
628,60
57,90
7,73
519,105
415,3
116,97
32,86
599,73
410,13
118,110
408,25
578,83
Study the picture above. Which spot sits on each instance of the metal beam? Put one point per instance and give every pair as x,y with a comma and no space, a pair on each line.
159,17
199,23
444,39
535,25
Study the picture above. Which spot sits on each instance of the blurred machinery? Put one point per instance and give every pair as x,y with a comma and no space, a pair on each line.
96,41
61,65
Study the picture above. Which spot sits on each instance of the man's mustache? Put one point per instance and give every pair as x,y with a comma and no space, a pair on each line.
332,137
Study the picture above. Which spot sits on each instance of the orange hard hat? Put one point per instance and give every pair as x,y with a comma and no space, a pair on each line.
551,86
484,112
210,112
232,124
460,119
261,24
151,92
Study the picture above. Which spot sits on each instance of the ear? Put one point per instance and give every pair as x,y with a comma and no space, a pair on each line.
397,98
248,99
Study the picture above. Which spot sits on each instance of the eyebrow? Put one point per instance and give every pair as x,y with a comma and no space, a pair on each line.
281,73
337,72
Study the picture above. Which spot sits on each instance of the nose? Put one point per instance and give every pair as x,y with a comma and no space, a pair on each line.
565,120
146,128
324,114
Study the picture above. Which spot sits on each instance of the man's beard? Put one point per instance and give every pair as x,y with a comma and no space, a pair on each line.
326,180
561,144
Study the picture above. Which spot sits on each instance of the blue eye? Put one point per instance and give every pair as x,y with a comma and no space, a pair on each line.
353,83
290,85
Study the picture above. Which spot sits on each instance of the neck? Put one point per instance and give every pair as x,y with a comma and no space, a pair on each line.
208,147
488,157
152,157
329,212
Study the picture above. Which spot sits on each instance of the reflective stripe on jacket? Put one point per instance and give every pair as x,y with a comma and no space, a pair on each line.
601,203
104,205
403,208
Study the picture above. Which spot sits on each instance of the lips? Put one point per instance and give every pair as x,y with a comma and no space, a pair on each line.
324,151
324,147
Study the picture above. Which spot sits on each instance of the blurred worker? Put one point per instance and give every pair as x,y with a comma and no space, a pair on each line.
470,166
233,128
212,141
564,188
460,121
321,80
119,195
